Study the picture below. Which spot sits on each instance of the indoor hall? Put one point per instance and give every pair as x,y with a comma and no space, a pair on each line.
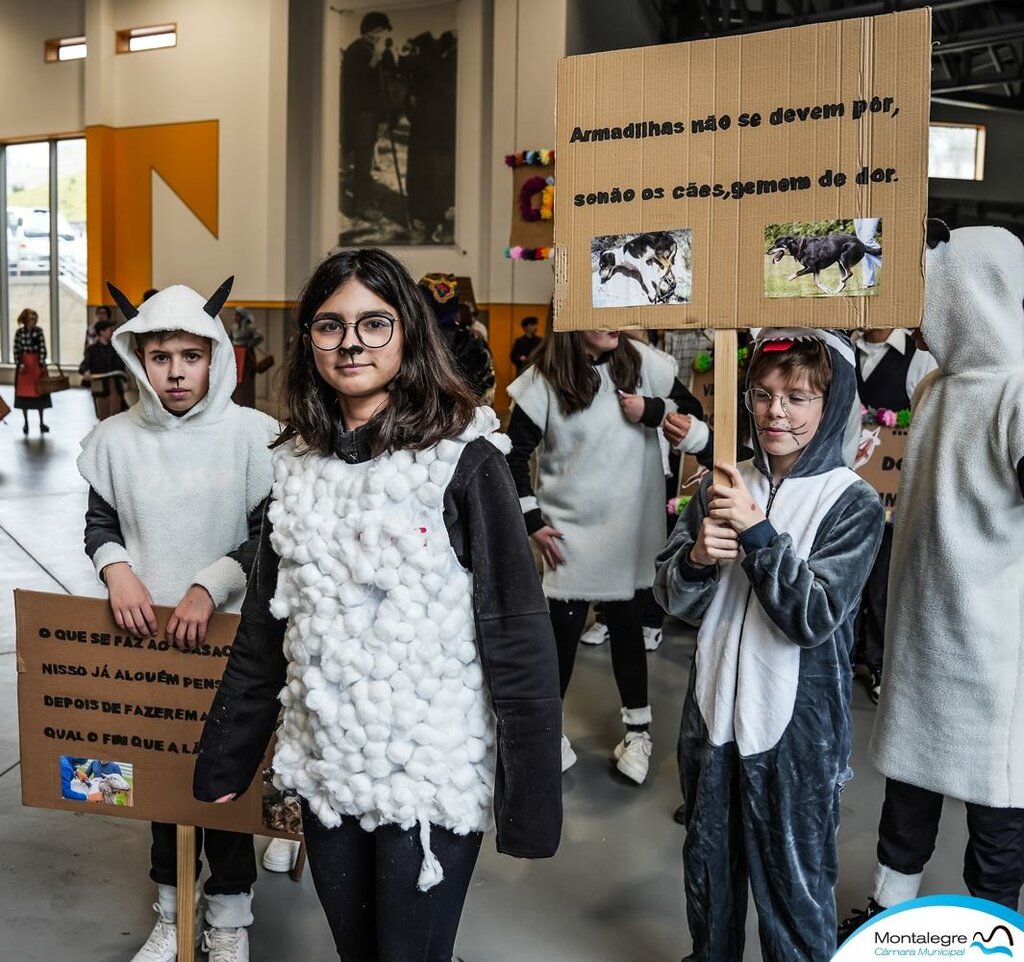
207,158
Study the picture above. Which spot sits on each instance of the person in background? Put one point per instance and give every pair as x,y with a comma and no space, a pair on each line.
591,405
245,337
102,359
526,344
471,355
684,346
889,368
361,108
102,314
30,366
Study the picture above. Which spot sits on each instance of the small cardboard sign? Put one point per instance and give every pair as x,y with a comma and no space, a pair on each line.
529,233
770,179
880,462
109,723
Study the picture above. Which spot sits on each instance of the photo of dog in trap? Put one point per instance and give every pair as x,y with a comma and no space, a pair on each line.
826,258
641,270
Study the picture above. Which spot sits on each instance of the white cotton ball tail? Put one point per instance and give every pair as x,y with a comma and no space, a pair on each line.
431,872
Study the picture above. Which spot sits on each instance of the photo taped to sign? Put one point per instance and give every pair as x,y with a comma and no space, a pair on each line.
97,780
727,144
641,270
823,259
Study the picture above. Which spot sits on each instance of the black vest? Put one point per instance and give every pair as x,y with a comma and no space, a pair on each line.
887,385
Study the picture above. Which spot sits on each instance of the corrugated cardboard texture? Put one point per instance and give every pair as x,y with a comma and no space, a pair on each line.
100,669
848,62
529,233
884,469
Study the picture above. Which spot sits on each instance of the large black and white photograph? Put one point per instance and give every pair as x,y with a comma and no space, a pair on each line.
398,124
642,270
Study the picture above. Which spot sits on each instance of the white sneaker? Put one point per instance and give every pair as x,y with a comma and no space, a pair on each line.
568,755
652,639
280,855
227,945
596,634
162,944
633,756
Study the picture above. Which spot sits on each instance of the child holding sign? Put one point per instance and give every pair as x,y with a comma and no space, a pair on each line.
771,567
175,487
395,611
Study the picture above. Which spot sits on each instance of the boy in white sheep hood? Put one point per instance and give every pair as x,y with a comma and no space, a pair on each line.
176,486
951,715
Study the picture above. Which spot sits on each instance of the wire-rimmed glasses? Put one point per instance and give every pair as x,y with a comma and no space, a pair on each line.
758,400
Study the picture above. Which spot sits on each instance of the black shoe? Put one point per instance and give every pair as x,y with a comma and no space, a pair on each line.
853,922
679,815
874,684
43,429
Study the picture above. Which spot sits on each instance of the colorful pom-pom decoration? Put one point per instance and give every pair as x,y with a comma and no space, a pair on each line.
545,186
529,253
702,362
530,158
884,417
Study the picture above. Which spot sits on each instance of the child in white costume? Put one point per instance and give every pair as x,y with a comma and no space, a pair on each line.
396,614
175,487
951,716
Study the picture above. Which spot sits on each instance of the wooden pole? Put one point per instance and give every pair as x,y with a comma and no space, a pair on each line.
186,893
726,373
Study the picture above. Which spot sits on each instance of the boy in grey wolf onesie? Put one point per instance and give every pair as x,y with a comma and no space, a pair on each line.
771,570
951,717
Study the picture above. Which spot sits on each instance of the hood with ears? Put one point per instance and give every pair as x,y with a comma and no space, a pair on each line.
825,451
178,308
974,298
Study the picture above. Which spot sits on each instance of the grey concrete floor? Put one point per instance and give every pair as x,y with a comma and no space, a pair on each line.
76,886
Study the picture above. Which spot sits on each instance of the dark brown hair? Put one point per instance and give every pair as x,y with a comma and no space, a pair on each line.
26,314
427,401
809,357
141,340
563,361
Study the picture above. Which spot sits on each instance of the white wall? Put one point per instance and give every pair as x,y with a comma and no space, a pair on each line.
39,98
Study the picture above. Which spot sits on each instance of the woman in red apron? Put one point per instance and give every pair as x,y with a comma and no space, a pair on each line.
30,362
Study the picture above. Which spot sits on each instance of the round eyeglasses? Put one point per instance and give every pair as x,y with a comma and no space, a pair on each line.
758,401
327,332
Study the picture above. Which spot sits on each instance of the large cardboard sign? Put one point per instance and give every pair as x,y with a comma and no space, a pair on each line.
109,722
770,179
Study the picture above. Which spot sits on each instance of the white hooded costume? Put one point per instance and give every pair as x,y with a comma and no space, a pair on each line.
951,715
182,486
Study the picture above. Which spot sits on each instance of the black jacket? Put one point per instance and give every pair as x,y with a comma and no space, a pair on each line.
513,636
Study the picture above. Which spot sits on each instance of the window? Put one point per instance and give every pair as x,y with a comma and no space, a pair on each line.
956,151
43,257
70,48
146,38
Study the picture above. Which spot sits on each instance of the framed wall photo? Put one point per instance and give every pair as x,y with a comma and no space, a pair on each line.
397,123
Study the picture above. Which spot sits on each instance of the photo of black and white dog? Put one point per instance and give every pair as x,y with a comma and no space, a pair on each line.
641,270
816,252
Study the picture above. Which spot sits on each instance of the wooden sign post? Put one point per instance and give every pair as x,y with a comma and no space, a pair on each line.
694,178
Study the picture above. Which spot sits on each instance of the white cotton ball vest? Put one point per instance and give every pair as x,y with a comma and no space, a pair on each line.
386,716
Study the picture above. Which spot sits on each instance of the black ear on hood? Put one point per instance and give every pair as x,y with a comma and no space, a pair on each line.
126,307
937,232
216,302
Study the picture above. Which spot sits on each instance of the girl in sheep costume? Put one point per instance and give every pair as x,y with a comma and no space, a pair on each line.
591,405
396,614
174,494
771,569
951,716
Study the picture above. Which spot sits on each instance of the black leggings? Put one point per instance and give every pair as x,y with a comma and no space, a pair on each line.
625,633
366,883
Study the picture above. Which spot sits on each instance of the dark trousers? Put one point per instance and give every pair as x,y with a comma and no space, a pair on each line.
366,883
653,614
230,854
993,860
869,628
625,633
